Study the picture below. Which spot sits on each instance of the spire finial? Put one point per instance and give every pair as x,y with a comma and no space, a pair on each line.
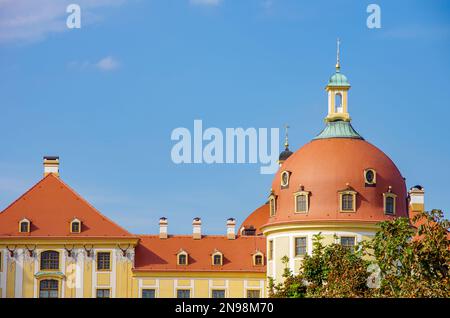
338,64
286,139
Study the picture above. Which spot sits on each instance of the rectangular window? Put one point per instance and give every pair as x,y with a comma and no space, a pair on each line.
347,202
183,293
253,293
270,250
24,227
258,260
48,288
348,242
389,205
301,203
148,293
300,246
49,260
103,293
182,259
103,261
75,227
217,259
218,293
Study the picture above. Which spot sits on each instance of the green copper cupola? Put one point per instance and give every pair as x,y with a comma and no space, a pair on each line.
338,118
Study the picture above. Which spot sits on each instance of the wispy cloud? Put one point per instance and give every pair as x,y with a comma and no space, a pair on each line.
105,64
30,20
205,2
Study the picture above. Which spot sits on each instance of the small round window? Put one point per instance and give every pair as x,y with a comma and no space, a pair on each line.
285,178
370,176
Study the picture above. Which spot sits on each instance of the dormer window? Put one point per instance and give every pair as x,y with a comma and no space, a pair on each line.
182,258
258,259
272,204
389,202
285,179
370,177
301,201
217,258
75,226
347,201
24,226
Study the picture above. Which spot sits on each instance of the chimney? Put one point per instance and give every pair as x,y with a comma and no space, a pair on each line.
231,229
51,165
416,200
197,228
163,228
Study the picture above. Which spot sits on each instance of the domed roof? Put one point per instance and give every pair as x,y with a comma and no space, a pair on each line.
256,219
324,167
286,153
338,79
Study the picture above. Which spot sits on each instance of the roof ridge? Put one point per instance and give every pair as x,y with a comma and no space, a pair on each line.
25,193
90,205
73,192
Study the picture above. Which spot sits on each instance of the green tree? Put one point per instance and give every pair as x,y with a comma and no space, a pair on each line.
414,262
409,261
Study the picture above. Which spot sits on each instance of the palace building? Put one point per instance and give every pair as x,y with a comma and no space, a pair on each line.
53,243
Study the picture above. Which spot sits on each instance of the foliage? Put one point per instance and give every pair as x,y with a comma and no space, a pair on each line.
414,262
401,261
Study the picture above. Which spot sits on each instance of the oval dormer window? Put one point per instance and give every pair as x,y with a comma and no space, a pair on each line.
370,177
285,179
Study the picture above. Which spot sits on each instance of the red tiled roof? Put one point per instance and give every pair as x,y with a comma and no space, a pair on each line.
155,254
51,205
257,219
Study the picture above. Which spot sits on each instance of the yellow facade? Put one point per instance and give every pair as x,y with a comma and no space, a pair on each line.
79,277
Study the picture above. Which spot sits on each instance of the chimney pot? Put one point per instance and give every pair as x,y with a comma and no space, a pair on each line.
51,165
197,228
163,224
231,228
416,200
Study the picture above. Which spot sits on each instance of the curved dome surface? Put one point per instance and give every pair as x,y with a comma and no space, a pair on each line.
326,166
256,219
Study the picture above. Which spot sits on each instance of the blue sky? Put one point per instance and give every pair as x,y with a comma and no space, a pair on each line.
106,97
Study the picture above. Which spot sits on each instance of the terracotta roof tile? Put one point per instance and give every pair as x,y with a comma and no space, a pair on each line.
155,254
51,205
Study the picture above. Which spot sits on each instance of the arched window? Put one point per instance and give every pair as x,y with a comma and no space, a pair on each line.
75,226
48,288
217,258
273,204
258,259
182,258
338,103
49,260
24,226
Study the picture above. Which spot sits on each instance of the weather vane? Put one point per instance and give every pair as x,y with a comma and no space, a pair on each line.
286,140
338,64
